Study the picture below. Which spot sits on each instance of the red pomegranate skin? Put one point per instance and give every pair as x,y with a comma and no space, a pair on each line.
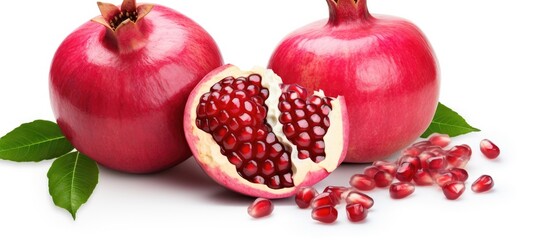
120,100
383,65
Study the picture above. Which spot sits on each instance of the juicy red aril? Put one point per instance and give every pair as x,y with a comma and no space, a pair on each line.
406,172
302,117
383,179
361,198
410,159
336,192
401,190
324,199
371,171
386,166
304,196
362,182
460,174
423,178
441,140
325,214
461,151
489,149
453,189
356,212
441,178
437,163
483,184
261,207
457,161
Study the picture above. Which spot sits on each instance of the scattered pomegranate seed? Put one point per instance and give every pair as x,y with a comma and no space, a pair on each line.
362,182
401,190
361,198
325,214
453,189
489,149
460,174
437,163
410,159
304,196
261,207
483,184
356,212
383,179
461,151
423,178
336,192
406,172
441,140
371,171
386,166
443,177
323,199
457,161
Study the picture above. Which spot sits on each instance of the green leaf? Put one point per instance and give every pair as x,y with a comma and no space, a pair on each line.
449,122
35,141
72,179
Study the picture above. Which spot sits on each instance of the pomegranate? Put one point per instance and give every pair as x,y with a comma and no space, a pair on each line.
118,84
356,212
325,214
255,135
489,149
482,184
384,66
304,196
261,207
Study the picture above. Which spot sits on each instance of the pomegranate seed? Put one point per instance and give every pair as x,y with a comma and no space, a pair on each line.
410,159
383,179
435,150
460,174
456,161
483,184
362,182
453,189
406,172
423,159
261,207
423,178
461,151
441,140
335,191
304,196
401,190
324,199
371,171
412,151
489,149
356,212
361,198
437,163
444,177
386,166
325,214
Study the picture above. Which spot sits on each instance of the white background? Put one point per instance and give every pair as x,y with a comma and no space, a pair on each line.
494,59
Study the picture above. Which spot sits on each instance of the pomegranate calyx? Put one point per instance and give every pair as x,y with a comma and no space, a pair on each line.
347,10
114,17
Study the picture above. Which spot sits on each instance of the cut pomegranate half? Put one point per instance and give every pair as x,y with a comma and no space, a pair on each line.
260,137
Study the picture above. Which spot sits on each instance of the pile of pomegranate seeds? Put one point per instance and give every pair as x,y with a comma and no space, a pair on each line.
424,163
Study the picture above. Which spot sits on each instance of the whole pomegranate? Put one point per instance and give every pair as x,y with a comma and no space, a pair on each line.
384,66
256,135
118,84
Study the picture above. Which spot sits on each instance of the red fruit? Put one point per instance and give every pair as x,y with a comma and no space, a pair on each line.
423,178
323,199
118,84
441,178
261,207
236,126
441,140
453,189
361,198
489,149
325,214
304,196
461,151
336,191
410,159
384,66
437,163
362,182
383,179
460,174
401,190
356,212
371,171
406,172
483,184
386,166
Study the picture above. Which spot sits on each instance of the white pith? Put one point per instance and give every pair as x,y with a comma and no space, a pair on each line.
210,153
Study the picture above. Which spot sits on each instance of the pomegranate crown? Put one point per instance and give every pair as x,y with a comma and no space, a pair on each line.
347,10
114,17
